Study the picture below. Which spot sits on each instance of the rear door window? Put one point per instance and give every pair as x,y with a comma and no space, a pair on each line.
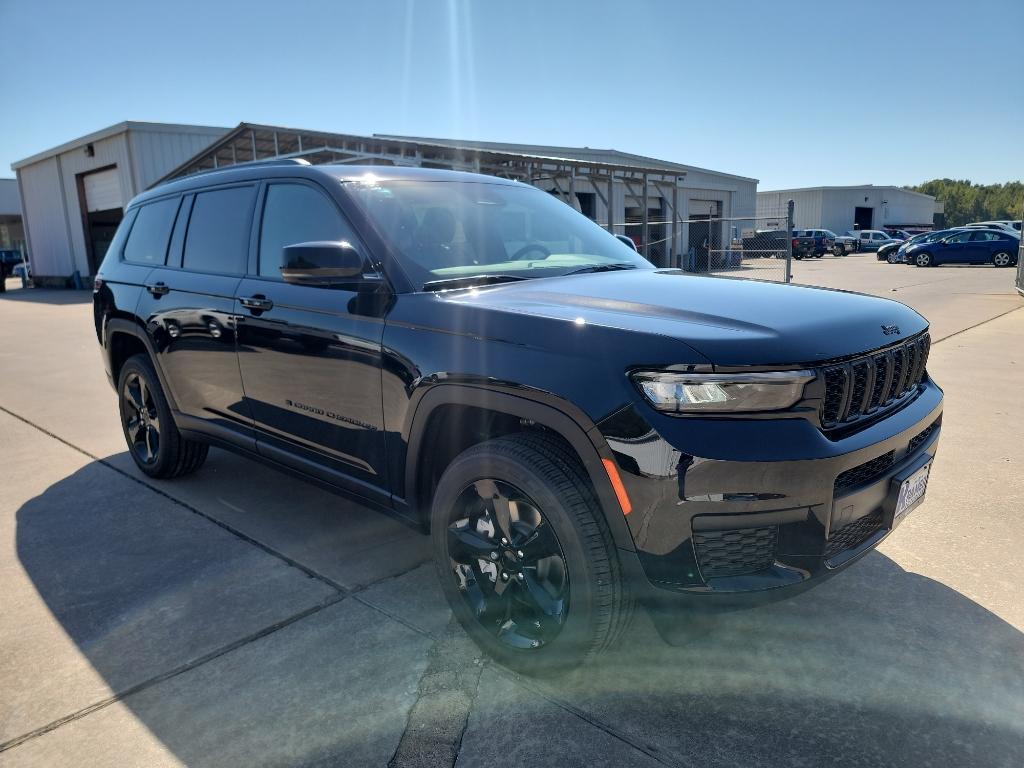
147,241
218,231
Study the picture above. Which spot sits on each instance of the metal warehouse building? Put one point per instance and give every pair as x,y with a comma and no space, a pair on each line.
73,195
12,232
631,194
841,209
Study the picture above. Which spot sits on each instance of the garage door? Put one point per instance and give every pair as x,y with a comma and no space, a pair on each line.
102,190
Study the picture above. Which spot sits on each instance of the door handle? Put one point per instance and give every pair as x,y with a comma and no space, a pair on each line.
256,303
158,289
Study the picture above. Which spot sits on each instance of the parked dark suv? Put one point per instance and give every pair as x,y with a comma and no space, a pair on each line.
576,429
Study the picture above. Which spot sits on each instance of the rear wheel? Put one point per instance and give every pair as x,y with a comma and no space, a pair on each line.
923,259
154,442
1002,259
524,554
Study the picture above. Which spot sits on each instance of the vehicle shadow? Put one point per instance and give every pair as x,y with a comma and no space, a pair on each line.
878,666
142,586
62,296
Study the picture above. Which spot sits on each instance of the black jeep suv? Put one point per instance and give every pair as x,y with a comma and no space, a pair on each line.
576,429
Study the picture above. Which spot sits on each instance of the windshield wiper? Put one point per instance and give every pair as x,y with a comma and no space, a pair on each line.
600,268
469,281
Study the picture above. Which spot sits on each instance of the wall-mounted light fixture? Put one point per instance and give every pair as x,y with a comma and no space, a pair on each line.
90,151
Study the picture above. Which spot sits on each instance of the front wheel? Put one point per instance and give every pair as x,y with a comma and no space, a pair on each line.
1002,259
923,260
154,442
840,251
524,554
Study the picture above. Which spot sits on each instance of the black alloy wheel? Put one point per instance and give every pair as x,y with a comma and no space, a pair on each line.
154,442
141,419
524,554
508,564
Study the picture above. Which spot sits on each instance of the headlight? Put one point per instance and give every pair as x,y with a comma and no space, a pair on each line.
722,392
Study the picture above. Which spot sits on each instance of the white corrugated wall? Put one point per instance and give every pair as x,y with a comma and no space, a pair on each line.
50,202
157,152
42,212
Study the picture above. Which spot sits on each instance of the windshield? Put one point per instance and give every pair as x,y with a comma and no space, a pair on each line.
459,230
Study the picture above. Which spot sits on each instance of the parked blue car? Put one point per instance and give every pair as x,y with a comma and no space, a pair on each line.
899,256
969,246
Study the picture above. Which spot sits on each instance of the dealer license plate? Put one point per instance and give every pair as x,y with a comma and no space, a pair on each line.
911,492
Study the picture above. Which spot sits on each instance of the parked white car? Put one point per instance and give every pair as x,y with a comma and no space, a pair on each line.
1013,227
871,239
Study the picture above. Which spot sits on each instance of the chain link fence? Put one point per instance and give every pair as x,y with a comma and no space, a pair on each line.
758,247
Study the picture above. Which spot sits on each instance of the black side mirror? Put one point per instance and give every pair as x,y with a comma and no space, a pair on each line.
321,263
627,240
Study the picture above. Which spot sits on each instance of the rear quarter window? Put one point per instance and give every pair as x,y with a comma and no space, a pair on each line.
147,241
218,230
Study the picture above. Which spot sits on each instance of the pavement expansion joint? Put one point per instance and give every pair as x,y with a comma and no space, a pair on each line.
447,691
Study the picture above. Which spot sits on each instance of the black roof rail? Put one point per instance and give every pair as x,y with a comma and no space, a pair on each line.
245,164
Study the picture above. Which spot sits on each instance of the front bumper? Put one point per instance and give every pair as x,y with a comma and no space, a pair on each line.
730,512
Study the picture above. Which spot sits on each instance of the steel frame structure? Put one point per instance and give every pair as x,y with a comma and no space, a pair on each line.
565,176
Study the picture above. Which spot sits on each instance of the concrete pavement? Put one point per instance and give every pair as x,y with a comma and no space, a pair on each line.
240,617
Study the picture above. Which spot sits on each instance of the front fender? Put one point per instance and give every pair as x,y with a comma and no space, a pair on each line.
559,416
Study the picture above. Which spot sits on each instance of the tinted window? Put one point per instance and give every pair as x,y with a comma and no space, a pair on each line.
218,231
295,213
449,230
147,242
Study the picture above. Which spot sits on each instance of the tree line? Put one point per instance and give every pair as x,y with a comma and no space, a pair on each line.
965,202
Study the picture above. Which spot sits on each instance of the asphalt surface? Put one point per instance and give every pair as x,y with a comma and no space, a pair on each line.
241,617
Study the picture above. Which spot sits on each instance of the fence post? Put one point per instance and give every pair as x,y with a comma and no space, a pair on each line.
789,241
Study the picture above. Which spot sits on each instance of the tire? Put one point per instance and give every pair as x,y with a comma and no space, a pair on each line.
923,260
840,251
1002,259
584,605
154,442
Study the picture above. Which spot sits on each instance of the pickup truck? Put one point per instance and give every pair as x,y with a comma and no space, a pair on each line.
813,243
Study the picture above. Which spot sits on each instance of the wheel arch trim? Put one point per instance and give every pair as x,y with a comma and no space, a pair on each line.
116,325
584,438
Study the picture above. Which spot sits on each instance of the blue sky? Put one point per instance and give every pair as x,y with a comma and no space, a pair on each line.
792,93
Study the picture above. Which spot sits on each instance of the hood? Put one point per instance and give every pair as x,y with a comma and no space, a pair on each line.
727,320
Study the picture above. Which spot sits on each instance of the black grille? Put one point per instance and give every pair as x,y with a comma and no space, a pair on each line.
861,387
861,371
835,386
865,472
851,535
883,367
735,552
921,437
